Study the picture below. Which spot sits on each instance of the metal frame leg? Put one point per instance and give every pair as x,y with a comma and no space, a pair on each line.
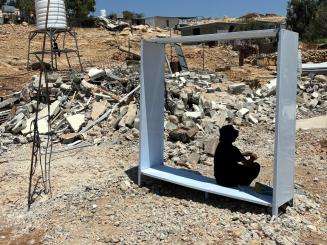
64,46
74,35
31,36
139,178
50,34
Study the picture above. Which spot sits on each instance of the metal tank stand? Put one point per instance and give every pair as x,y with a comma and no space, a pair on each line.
55,50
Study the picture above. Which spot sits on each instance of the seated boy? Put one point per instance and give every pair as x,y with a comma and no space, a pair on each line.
231,167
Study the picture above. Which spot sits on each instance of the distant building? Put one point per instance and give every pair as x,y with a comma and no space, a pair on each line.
138,21
221,26
209,28
162,22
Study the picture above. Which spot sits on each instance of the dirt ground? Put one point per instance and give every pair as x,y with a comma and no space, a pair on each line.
95,199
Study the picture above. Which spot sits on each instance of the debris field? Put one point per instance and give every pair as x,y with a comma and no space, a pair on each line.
94,126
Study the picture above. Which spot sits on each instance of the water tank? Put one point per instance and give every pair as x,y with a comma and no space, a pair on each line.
56,17
103,13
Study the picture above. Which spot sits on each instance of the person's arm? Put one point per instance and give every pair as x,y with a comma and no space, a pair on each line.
252,156
240,157
249,162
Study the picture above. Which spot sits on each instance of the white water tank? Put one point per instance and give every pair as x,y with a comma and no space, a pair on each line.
57,14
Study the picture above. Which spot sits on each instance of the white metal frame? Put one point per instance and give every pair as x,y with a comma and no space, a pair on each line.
152,118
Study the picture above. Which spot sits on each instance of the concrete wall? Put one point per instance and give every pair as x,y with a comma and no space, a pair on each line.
215,27
206,29
162,22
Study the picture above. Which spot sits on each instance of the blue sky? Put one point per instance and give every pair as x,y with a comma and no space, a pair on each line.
207,8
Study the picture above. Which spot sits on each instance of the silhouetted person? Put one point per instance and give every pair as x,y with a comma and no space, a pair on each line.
232,168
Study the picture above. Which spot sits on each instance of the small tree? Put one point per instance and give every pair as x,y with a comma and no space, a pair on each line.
26,6
129,15
112,16
319,24
79,10
300,13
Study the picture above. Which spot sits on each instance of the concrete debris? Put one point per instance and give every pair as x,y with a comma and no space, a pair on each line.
312,123
54,110
170,126
242,112
194,111
70,138
321,78
95,73
76,121
237,88
129,117
210,146
66,87
111,25
42,124
98,108
193,114
184,135
194,158
270,88
252,118
10,102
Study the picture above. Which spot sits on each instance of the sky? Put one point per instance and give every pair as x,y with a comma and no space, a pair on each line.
206,8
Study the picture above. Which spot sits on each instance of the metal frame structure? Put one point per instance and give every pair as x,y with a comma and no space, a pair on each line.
152,119
53,35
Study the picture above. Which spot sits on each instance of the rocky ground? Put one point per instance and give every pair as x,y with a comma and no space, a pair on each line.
95,199
94,119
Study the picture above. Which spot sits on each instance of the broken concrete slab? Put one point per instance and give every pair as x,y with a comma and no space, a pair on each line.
70,138
76,121
194,158
321,78
252,118
270,88
95,73
17,120
86,86
98,108
54,110
42,124
9,102
237,88
312,123
170,126
129,117
184,135
193,115
242,112
210,146
66,87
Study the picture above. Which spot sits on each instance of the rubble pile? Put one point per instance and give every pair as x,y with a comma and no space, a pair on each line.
314,56
197,105
110,24
77,101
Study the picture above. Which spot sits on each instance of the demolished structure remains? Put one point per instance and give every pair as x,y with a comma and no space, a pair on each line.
147,106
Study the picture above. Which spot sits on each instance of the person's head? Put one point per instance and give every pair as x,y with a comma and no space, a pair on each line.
228,134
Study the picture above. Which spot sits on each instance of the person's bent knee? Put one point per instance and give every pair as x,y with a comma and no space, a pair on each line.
256,167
